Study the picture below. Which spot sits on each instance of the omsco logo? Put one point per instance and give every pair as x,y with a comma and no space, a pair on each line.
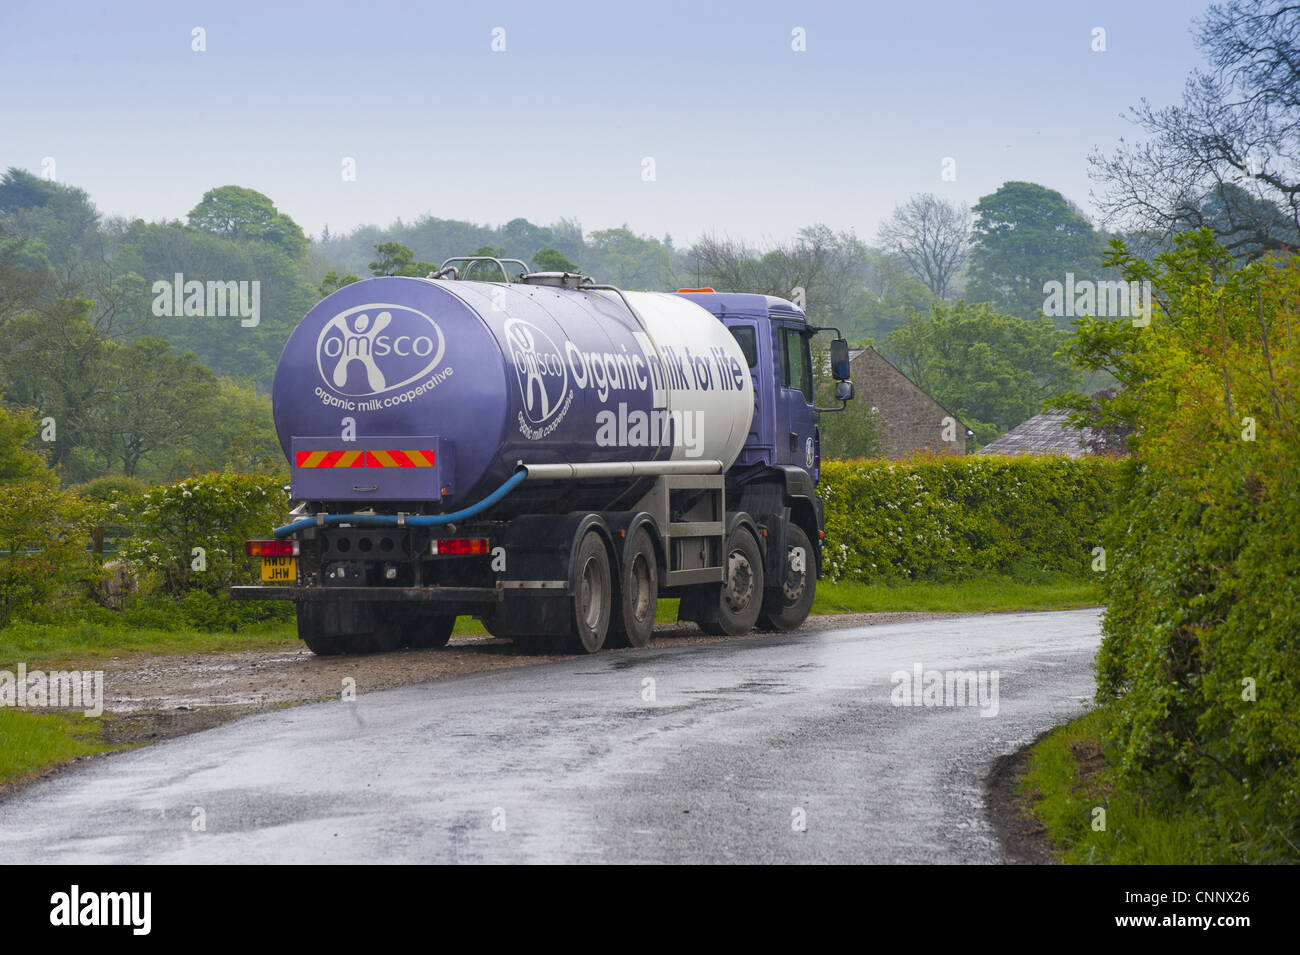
372,349
539,366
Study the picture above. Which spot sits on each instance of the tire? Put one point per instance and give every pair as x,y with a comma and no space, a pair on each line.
347,628
788,606
322,645
633,621
741,597
590,607
429,631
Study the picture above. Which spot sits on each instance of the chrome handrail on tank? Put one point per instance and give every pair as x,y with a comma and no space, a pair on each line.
481,258
593,287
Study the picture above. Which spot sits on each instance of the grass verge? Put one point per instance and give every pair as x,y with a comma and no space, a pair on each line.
1068,787
977,595
92,640
33,742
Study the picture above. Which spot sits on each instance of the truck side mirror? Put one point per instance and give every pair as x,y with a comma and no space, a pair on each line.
843,391
839,360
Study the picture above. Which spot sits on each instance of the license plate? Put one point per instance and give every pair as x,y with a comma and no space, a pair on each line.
279,570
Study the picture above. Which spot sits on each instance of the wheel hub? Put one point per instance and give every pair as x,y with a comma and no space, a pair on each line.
794,579
641,588
590,596
740,582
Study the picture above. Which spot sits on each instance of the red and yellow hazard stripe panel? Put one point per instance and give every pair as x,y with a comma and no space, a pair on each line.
331,459
406,458
399,459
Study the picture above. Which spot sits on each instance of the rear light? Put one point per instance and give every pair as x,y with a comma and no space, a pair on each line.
460,547
271,548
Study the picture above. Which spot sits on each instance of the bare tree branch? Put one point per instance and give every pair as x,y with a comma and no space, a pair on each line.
1228,158
932,236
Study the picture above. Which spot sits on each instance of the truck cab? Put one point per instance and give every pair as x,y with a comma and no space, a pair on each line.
775,336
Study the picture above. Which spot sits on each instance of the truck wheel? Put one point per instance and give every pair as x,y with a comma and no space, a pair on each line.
788,606
429,632
633,620
346,627
591,604
321,645
741,597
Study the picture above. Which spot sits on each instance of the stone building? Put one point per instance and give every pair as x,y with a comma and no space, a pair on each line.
912,420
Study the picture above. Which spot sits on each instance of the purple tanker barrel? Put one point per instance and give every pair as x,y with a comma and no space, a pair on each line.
432,392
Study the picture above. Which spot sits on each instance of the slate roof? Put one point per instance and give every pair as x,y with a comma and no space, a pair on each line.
1042,434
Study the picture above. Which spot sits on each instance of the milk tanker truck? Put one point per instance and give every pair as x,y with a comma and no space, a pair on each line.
546,454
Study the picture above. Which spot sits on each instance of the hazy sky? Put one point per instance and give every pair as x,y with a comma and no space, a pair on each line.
748,137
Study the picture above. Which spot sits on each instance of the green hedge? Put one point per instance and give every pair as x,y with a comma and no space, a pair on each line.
1201,652
961,516
44,539
214,512
49,574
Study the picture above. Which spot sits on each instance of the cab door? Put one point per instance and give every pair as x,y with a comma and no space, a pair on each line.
761,442
796,440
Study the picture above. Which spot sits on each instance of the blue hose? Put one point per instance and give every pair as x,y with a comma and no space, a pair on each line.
417,520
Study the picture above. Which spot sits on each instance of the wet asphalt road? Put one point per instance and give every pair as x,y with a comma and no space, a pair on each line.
574,762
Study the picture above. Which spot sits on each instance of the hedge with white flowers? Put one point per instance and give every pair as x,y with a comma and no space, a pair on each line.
190,535
959,516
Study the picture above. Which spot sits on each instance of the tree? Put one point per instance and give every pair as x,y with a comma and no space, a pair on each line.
885,272
18,462
1228,158
826,267
235,431
221,341
879,317
984,367
396,259
156,405
53,245
114,407
332,282
61,217
619,257
549,260
25,274
1025,236
54,360
932,236
520,234
238,213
